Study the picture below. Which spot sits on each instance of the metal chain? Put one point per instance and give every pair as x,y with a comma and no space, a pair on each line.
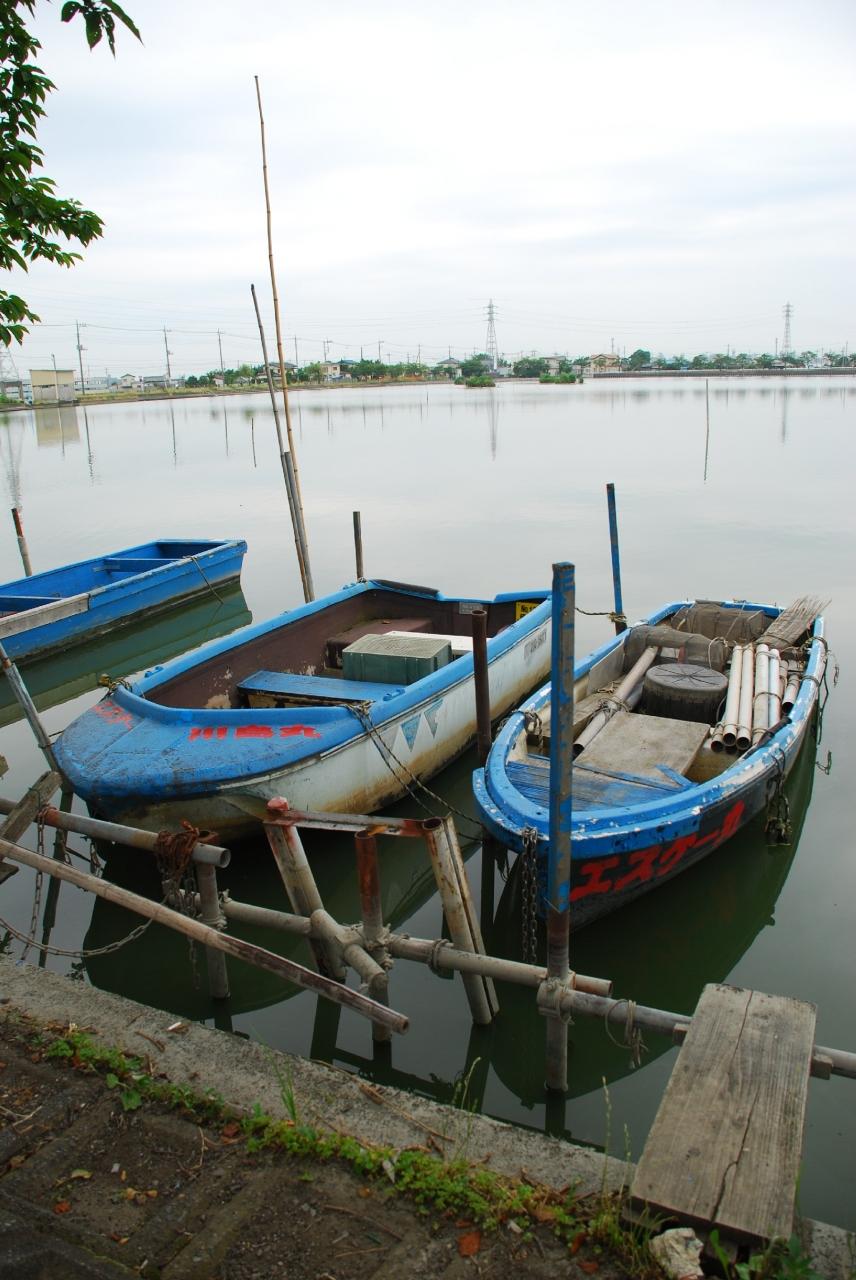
76,955
387,754
777,827
529,887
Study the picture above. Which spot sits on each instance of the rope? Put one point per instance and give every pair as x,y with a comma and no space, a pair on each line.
603,613
632,1034
211,588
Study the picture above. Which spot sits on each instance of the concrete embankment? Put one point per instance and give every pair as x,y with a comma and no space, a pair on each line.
202,1207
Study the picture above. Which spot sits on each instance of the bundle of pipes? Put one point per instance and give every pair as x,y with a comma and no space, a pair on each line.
762,687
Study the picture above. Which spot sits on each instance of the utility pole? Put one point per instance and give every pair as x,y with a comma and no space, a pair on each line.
56,378
419,354
379,356
80,351
325,343
168,354
220,344
296,361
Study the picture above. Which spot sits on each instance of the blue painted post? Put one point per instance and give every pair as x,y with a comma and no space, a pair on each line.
561,813
620,621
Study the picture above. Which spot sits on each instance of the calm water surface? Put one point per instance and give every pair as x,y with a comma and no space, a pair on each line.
478,492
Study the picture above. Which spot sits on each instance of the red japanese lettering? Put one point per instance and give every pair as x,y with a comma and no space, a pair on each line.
595,882
642,863
108,710
732,820
208,731
254,731
296,730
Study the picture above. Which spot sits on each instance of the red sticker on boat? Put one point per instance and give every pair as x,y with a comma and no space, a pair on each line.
108,710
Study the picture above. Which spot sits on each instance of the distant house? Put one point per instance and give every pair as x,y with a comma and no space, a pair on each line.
450,368
11,389
330,370
273,366
608,360
153,381
52,386
129,382
554,365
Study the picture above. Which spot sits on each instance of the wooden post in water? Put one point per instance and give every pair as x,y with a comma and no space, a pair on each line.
481,681
561,812
22,542
358,546
620,620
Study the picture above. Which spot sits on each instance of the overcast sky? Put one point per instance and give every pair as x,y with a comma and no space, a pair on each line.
665,175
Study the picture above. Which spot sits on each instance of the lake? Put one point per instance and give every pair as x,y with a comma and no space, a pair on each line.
475,492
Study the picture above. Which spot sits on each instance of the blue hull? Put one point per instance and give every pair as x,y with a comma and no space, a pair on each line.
119,589
624,849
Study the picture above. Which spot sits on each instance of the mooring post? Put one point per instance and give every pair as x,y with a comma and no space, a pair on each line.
371,910
358,546
22,542
210,914
482,683
287,849
620,621
561,811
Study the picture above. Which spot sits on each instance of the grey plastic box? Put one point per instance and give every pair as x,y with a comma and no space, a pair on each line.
395,659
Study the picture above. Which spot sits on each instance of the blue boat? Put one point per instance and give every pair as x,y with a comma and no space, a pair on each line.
685,730
341,705
48,612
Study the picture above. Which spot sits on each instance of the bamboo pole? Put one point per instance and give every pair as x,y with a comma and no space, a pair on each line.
288,473
288,970
25,702
285,404
457,860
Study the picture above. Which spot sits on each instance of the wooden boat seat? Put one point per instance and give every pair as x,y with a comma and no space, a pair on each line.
136,564
12,603
372,627
287,689
633,760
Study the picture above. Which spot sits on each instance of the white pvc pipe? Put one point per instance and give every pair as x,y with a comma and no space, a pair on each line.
614,701
792,688
774,703
732,698
761,701
747,690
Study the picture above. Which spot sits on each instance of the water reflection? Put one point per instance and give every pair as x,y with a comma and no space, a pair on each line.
56,426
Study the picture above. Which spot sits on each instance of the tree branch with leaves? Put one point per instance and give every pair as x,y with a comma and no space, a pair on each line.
35,222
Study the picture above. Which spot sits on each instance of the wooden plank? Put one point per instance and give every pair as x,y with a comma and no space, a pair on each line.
638,744
725,1146
23,813
30,618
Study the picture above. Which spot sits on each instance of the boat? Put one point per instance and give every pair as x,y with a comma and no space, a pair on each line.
129,650
685,728
45,613
343,705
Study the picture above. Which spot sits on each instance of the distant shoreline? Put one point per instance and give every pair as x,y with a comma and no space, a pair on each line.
195,393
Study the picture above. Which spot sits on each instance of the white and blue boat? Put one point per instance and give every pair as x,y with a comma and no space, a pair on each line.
47,612
685,729
341,705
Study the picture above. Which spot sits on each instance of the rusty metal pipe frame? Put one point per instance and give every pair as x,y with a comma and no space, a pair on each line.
456,917
288,970
348,943
210,854
371,910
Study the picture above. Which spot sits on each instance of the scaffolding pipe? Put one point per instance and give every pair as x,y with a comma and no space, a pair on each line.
210,854
288,970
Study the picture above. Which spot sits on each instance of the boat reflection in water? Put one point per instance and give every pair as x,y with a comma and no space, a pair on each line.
191,623
659,950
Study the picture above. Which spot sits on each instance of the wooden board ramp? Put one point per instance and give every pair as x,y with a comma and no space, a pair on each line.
725,1147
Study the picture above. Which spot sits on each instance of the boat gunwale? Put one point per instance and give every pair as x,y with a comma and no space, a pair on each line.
509,812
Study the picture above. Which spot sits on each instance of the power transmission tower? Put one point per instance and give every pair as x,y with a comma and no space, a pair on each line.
786,339
490,345
8,371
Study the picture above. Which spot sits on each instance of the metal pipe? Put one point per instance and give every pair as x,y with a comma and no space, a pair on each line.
747,690
358,545
288,970
761,701
209,854
616,701
210,914
620,620
732,698
456,918
457,861
302,890
792,688
481,681
561,813
350,943
371,910
22,542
